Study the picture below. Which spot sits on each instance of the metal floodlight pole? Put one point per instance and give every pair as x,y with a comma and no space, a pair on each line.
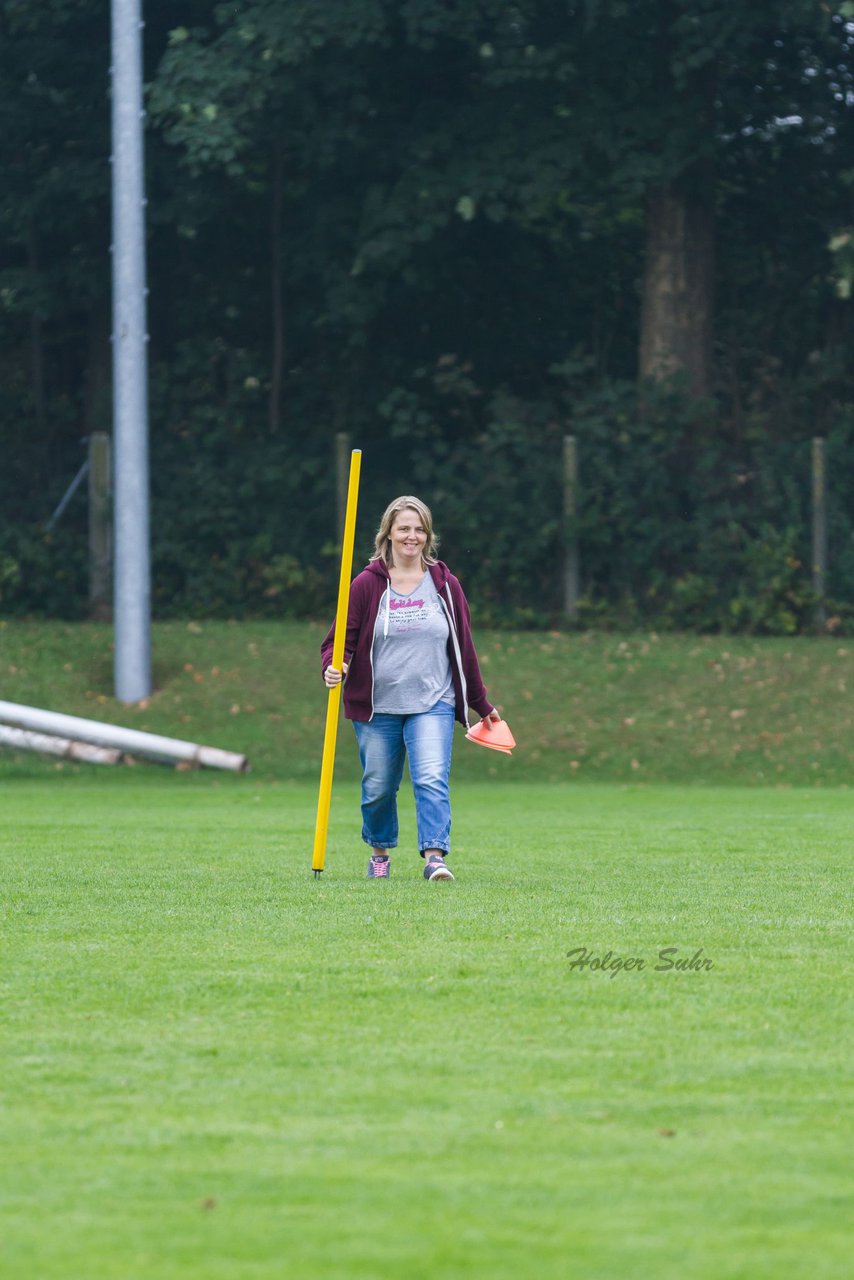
132,570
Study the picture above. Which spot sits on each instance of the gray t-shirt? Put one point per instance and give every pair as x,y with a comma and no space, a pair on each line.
412,671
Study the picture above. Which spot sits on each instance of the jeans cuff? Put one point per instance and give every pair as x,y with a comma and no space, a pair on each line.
441,845
380,844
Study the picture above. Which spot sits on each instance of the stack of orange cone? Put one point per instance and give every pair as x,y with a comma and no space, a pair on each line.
493,734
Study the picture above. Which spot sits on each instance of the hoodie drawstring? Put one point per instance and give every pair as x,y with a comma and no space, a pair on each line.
452,619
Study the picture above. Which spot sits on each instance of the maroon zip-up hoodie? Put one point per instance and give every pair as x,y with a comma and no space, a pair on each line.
366,593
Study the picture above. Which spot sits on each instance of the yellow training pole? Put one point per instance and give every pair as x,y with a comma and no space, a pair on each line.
333,705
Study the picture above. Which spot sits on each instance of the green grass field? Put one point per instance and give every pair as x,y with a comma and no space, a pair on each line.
215,1067
643,708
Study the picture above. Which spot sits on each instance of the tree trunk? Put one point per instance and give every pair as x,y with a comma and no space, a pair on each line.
678,287
277,306
37,340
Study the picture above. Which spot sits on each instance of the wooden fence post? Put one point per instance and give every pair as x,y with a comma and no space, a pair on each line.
570,539
100,534
342,478
819,527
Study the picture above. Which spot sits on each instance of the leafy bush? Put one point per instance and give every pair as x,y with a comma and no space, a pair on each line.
43,574
682,522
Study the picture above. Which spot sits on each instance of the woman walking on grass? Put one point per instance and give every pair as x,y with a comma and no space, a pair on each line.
411,669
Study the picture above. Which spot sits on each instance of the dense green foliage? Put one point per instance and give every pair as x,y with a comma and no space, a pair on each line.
425,224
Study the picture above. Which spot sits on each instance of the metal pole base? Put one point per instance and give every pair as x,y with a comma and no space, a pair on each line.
318,872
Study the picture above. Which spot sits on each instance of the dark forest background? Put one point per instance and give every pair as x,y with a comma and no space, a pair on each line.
458,231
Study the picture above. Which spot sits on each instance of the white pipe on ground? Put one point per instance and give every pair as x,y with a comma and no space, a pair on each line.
134,741
48,745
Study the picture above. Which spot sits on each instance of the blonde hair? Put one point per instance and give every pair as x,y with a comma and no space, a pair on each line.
382,542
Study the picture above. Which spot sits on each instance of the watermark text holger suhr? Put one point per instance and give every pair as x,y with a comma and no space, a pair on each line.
668,959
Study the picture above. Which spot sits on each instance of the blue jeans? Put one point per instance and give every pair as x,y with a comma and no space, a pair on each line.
426,739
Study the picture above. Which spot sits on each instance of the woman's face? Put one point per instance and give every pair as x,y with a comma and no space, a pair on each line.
408,538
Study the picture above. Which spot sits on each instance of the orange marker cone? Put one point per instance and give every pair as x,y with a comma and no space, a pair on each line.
493,734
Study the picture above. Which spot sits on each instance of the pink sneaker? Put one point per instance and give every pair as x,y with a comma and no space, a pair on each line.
379,866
